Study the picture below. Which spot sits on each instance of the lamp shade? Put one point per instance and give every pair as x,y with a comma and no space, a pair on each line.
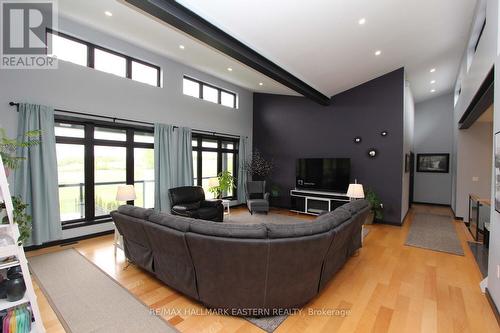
356,191
125,193
213,182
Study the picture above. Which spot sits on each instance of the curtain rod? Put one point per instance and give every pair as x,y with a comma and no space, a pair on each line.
129,120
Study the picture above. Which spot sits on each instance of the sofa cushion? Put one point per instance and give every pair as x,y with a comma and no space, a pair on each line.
228,229
356,206
335,218
137,212
173,221
322,224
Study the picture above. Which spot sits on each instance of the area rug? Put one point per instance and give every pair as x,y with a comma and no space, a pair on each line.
268,324
434,232
85,299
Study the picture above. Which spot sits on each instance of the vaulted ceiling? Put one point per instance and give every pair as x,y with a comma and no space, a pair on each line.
319,41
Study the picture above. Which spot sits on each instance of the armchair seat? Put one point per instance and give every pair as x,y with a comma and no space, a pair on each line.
257,198
189,201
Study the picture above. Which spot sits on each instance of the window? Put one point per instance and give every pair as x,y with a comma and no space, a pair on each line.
208,92
144,73
83,53
110,63
212,155
69,50
93,159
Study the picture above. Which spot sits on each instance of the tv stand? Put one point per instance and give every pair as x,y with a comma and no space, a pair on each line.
316,202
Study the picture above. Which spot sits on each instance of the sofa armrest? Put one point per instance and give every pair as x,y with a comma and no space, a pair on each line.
267,195
211,203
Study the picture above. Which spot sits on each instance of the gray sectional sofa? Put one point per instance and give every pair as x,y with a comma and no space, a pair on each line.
234,266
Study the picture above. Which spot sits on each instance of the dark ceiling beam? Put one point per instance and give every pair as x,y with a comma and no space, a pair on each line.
480,103
194,25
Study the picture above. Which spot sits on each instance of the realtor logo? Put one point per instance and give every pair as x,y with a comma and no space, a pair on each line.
24,41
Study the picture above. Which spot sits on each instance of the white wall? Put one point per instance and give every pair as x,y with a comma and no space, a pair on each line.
77,88
474,160
434,134
486,56
408,138
470,80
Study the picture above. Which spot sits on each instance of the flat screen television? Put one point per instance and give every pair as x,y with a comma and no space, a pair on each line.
324,174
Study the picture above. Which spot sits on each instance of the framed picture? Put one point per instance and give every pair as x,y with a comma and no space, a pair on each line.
438,163
407,163
497,172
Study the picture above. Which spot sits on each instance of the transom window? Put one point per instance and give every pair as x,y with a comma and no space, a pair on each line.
93,159
212,155
196,88
83,53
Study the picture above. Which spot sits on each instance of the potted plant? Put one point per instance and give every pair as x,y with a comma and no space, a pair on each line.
275,191
376,207
9,146
22,219
225,183
8,149
258,167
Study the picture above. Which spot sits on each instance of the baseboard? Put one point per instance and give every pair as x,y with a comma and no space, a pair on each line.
68,241
493,306
388,223
431,204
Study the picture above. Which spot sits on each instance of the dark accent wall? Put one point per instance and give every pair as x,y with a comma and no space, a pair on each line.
286,128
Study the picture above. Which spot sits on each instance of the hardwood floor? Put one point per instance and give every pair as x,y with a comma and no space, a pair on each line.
387,287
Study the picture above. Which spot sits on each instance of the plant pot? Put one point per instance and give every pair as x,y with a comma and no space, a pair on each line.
370,218
15,289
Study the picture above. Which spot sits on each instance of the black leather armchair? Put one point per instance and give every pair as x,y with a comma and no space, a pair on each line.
189,201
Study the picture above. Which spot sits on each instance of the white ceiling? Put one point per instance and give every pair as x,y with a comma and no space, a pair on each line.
319,41
136,27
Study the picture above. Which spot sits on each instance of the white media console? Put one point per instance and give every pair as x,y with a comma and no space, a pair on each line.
316,202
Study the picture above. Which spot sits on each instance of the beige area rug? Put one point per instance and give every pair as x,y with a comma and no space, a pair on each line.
434,232
86,299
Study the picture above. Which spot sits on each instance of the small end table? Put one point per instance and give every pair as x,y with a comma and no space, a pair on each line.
227,210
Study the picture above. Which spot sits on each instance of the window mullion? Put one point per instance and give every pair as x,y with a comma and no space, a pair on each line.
90,55
89,173
130,160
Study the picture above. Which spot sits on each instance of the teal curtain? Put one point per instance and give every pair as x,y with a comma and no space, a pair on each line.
164,165
242,172
184,157
36,178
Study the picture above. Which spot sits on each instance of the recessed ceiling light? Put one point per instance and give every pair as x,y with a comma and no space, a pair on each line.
230,69
362,21
433,81
182,47
108,13
378,52
261,84
433,90
432,70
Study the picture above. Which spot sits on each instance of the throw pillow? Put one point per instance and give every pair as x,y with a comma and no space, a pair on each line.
256,196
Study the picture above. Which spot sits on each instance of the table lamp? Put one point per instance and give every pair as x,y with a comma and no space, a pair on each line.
355,191
125,193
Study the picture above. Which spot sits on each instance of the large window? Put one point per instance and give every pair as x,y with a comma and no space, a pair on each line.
83,53
208,92
211,155
93,159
